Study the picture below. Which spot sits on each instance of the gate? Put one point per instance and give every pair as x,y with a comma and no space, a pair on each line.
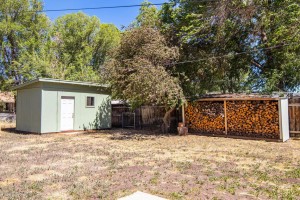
294,115
128,120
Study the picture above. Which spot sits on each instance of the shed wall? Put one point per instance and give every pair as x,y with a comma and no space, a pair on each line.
98,117
29,110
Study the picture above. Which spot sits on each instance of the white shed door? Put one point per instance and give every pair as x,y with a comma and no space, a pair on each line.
67,114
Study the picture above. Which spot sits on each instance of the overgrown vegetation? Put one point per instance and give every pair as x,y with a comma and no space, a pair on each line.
139,74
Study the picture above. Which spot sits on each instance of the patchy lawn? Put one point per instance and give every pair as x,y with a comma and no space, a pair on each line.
111,164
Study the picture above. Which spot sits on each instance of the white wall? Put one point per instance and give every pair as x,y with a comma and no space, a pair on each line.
284,119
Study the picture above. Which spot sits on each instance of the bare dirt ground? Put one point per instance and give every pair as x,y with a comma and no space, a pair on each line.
115,163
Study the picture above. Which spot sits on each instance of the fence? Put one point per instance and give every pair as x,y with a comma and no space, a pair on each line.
259,115
294,116
144,117
7,107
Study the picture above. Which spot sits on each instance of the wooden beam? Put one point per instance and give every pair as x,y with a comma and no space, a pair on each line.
280,119
225,117
294,131
294,105
238,99
183,115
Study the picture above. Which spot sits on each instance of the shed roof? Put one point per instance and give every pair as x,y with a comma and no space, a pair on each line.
50,80
7,97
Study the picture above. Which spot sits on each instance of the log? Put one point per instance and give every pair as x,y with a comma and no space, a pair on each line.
205,117
251,118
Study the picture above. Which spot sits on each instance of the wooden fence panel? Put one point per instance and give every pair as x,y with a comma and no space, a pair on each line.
152,115
294,116
146,117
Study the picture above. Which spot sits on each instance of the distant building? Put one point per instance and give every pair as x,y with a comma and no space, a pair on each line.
7,102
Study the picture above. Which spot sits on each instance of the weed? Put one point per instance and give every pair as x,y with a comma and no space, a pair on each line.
292,193
212,179
262,176
181,166
176,196
154,179
272,192
36,186
295,173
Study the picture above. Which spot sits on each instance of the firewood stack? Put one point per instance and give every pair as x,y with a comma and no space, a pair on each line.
253,119
205,117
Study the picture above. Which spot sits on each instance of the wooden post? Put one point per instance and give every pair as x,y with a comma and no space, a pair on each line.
280,119
183,116
225,116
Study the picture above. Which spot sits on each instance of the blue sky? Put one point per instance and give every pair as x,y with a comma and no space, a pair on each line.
119,17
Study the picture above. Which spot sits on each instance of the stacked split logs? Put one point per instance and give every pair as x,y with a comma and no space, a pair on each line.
205,117
253,119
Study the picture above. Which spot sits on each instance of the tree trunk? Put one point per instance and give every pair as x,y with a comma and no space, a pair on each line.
167,121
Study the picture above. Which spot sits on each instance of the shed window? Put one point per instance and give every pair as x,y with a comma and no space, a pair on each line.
90,101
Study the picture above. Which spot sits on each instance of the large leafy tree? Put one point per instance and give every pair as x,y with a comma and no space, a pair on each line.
276,31
139,71
81,45
233,42
205,31
148,16
23,32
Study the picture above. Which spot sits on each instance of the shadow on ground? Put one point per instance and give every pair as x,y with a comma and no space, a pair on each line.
14,131
131,134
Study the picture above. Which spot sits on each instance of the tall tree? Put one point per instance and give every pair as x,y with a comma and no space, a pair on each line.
148,16
23,31
205,31
138,73
225,36
276,30
81,46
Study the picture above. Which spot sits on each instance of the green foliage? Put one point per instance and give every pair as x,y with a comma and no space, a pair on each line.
74,47
295,173
148,16
22,35
233,46
138,72
81,45
206,31
276,23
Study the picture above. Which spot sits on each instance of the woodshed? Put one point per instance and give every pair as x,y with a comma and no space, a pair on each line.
239,116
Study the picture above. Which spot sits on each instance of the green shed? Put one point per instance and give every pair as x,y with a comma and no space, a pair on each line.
50,105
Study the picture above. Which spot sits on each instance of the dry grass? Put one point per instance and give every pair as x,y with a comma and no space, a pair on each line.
6,125
111,164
